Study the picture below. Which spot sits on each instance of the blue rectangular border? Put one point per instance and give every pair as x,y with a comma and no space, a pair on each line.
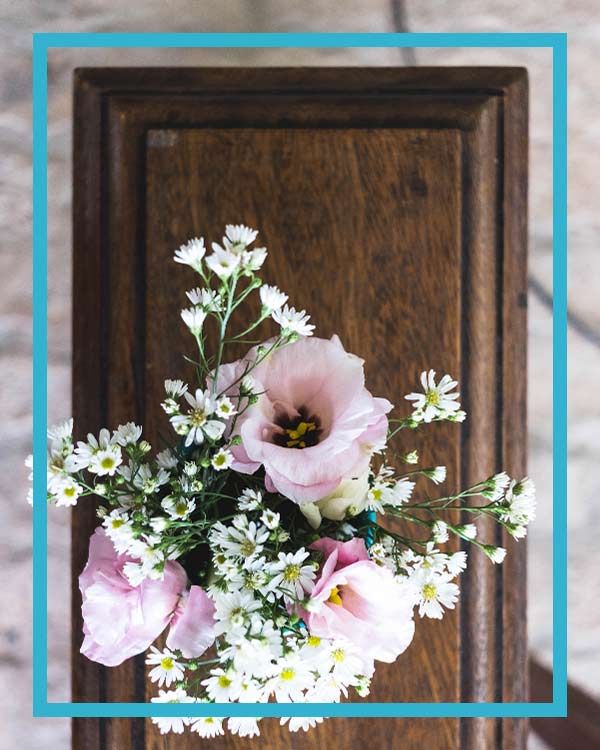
555,41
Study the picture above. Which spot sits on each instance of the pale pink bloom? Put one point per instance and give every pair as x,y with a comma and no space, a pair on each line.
315,422
121,620
192,627
357,600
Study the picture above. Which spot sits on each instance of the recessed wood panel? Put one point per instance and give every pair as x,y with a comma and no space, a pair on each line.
392,203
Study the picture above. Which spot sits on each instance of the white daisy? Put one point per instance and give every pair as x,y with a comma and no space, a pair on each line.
194,318
272,297
207,726
119,529
254,259
243,726
439,532
191,253
166,459
219,685
437,401
222,262
196,423
435,592
520,503
242,539
239,235
178,507
292,678
174,724
105,461
233,610
208,299
301,722
175,388
225,408
293,321
222,459
127,434
61,431
496,554
270,519
250,500
290,576
67,492
167,669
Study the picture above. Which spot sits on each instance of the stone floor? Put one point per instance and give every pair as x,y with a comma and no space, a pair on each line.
17,21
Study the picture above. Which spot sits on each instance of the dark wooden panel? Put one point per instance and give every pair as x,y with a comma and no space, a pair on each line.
393,204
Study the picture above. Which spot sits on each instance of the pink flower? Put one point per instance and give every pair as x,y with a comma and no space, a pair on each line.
315,422
121,620
192,628
356,599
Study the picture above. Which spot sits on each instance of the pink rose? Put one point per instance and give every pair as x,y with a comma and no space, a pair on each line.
121,620
356,599
315,422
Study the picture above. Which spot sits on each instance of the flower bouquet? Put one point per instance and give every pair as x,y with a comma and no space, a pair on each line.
253,537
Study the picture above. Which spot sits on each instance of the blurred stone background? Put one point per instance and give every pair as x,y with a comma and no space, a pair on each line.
19,20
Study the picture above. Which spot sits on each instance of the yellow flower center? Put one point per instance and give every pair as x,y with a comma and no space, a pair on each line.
107,462
313,641
339,655
429,591
291,573
334,596
287,674
432,398
298,434
197,417
224,681
167,663
116,523
69,491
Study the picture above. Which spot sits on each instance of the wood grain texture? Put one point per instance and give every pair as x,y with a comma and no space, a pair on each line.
394,209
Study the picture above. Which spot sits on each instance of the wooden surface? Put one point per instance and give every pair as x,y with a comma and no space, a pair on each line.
393,203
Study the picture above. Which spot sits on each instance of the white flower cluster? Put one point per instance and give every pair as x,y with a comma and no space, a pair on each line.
437,402
228,261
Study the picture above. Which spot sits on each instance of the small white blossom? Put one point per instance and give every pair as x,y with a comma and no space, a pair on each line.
208,299
166,667
290,576
435,592
67,492
191,253
222,459
439,532
495,554
174,724
293,321
238,236
207,726
243,726
250,500
272,298
222,262
175,388
270,519
178,508
225,408
254,259
61,431
127,434
196,423
194,318
166,459
301,722
437,401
